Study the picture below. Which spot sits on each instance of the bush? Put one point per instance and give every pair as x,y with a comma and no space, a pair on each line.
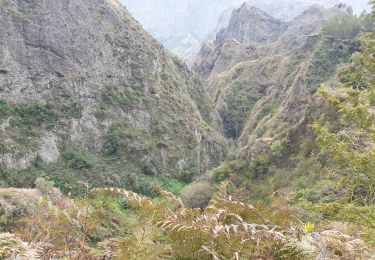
111,142
3,147
223,172
78,159
260,165
5,109
43,185
149,169
187,175
269,107
279,148
197,194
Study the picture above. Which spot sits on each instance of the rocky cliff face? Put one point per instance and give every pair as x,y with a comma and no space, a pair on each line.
249,24
84,74
262,72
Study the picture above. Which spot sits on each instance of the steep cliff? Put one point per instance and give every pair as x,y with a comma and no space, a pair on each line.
83,86
257,58
263,83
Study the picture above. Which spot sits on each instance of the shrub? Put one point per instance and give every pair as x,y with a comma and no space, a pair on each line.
187,175
5,109
197,194
3,147
149,169
111,142
43,184
269,107
260,165
78,159
279,148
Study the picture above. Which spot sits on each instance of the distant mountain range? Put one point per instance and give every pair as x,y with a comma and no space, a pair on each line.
182,26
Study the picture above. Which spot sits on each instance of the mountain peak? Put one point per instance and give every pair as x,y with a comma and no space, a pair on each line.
250,24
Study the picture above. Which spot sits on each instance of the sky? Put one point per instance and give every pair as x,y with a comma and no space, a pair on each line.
184,25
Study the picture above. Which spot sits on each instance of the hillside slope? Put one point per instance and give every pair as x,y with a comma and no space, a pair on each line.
84,87
263,83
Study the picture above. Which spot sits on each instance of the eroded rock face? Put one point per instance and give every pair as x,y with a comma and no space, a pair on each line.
49,151
262,73
249,24
253,34
89,66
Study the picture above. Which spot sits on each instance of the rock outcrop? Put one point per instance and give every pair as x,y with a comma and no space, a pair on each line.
85,74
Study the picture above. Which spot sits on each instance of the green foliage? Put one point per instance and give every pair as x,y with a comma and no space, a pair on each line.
188,174
360,216
324,62
78,159
125,97
29,119
125,139
240,102
224,171
35,114
112,142
351,146
43,184
267,109
346,27
173,185
197,194
3,147
279,148
259,166
149,169
5,109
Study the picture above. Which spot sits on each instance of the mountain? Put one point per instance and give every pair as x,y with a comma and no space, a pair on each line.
193,22
111,148
262,74
88,95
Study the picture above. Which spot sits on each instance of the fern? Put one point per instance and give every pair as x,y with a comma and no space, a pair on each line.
10,246
226,229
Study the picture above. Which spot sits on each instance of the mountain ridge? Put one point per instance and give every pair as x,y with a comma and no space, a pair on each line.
85,74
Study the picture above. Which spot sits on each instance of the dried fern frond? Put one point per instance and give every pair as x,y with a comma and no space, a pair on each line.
135,199
10,245
170,197
141,245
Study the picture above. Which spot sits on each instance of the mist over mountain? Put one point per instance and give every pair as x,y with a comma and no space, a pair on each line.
183,26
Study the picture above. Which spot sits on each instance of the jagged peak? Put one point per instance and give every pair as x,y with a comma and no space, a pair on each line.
250,24
252,10
313,9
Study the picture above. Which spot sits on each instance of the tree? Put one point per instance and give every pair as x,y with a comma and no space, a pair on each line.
351,143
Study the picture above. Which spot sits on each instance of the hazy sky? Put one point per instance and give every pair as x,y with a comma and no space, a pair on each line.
358,5
175,22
